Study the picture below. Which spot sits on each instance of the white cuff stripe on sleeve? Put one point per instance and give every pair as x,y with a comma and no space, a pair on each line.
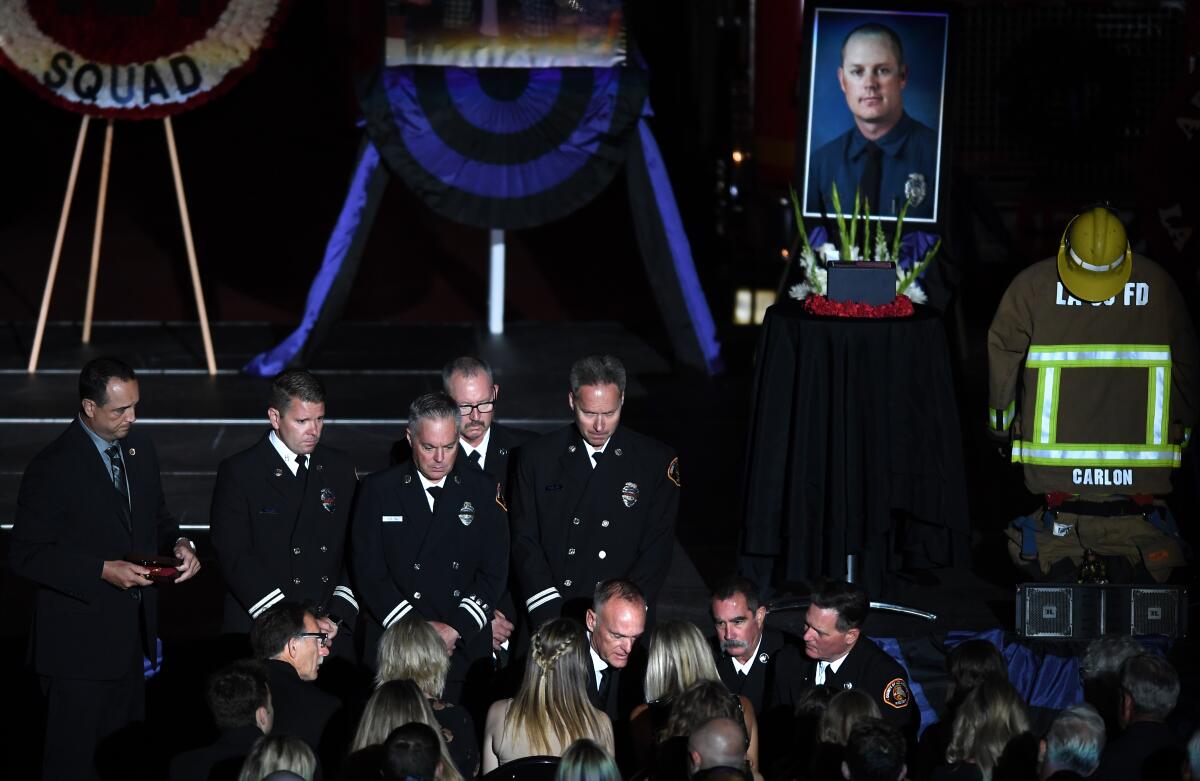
542,601
398,612
345,593
264,603
539,597
474,610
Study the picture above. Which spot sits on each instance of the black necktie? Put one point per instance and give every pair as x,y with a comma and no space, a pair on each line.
301,469
118,470
872,172
599,454
474,458
434,490
602,689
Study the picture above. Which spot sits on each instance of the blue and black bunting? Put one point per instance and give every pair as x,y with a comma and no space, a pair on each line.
504,148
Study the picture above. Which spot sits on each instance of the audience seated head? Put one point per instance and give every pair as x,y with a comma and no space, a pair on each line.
679,656
699,703
552,706
238,696
719,742
278,752
1191,766
288,632
412,649
845,709
874,752
971,663
395,704
413,751
988,718
738,617
1099,670
835,615
586,760
1149,689
616,619
1073,742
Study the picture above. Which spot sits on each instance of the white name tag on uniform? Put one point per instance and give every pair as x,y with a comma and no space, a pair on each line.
393,519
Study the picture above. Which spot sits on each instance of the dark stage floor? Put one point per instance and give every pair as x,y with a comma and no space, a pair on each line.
372,372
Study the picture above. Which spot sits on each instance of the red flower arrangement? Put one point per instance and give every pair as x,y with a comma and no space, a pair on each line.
901,306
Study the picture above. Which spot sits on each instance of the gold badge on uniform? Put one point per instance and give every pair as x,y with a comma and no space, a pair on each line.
500,499
896,693
673,472
629,494
466,513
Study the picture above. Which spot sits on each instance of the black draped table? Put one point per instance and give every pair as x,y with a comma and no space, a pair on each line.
854,448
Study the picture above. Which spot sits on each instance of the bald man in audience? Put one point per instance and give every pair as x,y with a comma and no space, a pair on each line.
718,748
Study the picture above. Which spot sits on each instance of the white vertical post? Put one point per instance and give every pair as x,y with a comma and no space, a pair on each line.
496,282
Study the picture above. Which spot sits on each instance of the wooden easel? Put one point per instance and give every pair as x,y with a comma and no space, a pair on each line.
95,267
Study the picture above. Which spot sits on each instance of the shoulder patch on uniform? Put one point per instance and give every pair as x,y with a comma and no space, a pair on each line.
896,693
673,471
500,499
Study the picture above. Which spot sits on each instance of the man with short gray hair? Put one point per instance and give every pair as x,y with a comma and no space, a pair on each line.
592,501
1072,746
432,536
1147,748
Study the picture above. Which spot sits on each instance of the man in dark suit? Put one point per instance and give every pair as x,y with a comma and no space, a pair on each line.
288,638
240,702
431,535
761,663
87,502
1146,748
281,514
842,657
616,663
489,446
592,501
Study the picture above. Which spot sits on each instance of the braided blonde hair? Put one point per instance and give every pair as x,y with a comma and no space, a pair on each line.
552,707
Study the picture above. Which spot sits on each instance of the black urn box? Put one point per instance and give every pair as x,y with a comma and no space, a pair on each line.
861,281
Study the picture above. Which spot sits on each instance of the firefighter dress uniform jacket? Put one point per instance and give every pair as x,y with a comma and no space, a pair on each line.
575,525
1098,399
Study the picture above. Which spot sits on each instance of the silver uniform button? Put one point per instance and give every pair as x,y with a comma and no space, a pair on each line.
296,581
602,554
324,578
417,566
604,524
324,549
416,595
295,551
456,593
575,520
567,582
570,551
454,565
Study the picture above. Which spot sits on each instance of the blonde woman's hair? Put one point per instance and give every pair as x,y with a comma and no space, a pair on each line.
990,716
586,760
411,648
394,704
679,656
845,709
552,706
278,752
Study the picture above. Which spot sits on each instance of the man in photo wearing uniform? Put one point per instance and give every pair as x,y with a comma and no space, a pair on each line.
431,535
759,662
842,657
592,501
280,517
886,156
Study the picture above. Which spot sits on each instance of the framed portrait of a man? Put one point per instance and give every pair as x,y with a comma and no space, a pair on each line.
876,108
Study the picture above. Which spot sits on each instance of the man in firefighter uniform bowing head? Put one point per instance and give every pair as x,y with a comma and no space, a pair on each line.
430,537
592,501
1093,381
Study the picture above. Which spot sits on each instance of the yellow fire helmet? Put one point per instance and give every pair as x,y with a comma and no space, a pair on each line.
1094,259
